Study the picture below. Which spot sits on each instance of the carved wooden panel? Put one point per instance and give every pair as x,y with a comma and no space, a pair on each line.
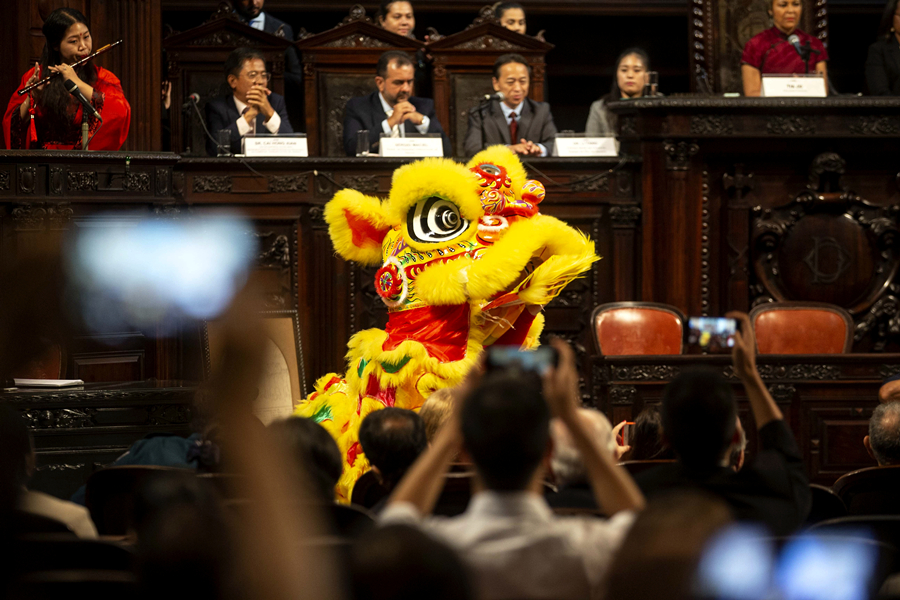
335,89
468,90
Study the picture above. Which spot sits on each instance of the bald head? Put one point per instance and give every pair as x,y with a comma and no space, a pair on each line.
884,434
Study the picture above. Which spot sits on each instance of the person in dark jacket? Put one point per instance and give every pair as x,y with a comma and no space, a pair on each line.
883,62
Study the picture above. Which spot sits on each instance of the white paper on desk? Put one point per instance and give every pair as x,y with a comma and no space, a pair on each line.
48,383
291,145
794,86
411,147
570,147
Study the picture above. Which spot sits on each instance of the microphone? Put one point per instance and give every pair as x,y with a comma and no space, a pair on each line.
72,88
794,40
192,99
495,96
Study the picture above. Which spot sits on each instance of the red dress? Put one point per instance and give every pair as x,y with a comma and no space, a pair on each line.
108,99
771,52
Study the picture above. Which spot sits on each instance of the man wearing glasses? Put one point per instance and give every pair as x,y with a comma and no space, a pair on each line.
251,108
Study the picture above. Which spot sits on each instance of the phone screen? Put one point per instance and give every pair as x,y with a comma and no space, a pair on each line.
712,334
510,357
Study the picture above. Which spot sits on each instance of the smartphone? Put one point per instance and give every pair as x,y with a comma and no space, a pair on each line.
510,357
711,334
626,434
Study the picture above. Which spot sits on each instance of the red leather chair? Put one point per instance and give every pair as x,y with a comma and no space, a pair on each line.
802,328
642,328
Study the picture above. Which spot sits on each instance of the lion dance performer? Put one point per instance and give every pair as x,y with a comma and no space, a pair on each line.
467,261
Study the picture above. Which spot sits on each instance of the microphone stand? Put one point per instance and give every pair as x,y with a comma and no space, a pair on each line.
85,130
484,104
805,51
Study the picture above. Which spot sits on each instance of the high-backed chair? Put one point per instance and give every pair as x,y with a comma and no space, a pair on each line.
802,328
826,505
629,328
871,491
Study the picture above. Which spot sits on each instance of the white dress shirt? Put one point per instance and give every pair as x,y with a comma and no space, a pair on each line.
76,517
259,22
395,132
517,547
518,110
244,127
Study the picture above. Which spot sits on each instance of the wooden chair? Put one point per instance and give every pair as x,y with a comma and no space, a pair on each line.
367,491
226,485
883,529
802,328
638,328
50,364
639,466
870,491
55,552
455,495
826,505
110,494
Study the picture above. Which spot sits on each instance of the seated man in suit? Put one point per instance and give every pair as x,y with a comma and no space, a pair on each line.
518,121
391,107
251,107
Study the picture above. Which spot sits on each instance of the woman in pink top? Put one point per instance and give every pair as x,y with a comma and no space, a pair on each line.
773,50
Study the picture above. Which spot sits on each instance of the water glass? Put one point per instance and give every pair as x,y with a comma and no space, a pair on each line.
224,137
362,142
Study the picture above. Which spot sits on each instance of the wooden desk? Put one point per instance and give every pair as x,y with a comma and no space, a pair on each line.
826,399
77,431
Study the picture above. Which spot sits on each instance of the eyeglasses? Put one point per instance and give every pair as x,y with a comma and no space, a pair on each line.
254,75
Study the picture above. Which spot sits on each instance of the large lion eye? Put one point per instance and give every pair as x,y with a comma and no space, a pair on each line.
435,220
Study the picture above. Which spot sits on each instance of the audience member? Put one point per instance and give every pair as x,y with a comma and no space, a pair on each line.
511,15
435,411
514,545
251,107
391,107
883,441
890,389
699,415
772,51
316,450
398,562
566,465
883,62
392,439
739,448
628,82
662,550
518,121
647,440
252,12
18,456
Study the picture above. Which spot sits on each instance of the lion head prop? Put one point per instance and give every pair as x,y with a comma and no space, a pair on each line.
466,261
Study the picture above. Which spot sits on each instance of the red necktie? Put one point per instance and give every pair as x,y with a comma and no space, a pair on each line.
513,128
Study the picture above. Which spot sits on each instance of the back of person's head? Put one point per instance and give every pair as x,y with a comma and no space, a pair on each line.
392,439
435,411
506,429
884,433
398,57
666,542
235,61
646,438
698,417
566,462
15,447
505,59
399,562
315,449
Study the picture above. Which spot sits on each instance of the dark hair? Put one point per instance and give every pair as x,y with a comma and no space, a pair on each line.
15,447
315,449
505,6
646,440
392,439
698,417
400,562
385,7
505,59
59,106
887,19
884,433
235,61
385,59
505,426
614,92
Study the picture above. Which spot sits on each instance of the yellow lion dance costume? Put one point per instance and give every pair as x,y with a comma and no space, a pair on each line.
467,262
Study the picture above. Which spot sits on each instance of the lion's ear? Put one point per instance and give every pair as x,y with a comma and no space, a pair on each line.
357,225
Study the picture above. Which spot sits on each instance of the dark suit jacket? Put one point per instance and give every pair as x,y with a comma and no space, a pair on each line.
883,67
487,126
366,112
774,490
293,72
222,113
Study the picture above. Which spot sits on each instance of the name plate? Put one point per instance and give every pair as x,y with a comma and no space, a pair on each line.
794,87
569,147
275,145
414,147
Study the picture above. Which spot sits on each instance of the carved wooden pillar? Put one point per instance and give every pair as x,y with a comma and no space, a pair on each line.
625,219
737,284
137,63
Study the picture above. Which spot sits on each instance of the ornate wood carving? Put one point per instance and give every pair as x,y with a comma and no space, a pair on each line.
622,394
27,179
644,373
707,124
799,372
367,184
357,13
277,254
356,40
137,182
317,217
678,154
289,183
60,418
791,125
162,182
212,184
704,247
876,125
597,183
81,181
56,181
169,414
489,42
29,217
4,181
223,38
626,216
